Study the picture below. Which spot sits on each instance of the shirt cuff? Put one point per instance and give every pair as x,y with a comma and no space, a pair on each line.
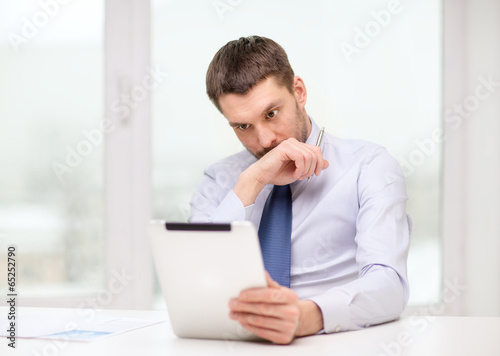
334,307
232,209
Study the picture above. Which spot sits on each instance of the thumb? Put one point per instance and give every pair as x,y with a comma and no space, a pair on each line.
271,283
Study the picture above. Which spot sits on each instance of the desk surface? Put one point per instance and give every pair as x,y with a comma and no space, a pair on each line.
409,336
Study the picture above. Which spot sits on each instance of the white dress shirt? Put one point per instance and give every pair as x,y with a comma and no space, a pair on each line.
350,233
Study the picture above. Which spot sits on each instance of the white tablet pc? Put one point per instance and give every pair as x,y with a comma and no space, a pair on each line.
200,267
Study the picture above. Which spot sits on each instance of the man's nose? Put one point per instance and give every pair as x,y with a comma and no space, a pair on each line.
266,136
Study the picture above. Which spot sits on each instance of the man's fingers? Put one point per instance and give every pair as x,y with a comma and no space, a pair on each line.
315,162
271,312
263,300
320,163
291,160
282,311
326,164
274,322
260,321
308,159
278,337
295,152
268,295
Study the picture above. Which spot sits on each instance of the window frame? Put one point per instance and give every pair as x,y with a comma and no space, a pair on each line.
128,153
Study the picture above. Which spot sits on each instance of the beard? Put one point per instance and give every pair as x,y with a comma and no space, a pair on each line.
300,133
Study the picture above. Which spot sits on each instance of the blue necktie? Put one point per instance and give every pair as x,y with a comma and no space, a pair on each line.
275,233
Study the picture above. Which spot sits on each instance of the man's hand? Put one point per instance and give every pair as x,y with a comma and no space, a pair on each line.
288,162
291,160
275,313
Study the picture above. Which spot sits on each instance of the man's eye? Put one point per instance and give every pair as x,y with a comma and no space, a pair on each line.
243,127
272,114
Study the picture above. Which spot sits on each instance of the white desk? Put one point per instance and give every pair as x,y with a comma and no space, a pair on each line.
411,336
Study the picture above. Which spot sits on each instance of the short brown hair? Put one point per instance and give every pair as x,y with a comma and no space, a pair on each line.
242,63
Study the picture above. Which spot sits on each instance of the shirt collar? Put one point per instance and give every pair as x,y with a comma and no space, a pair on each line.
299,186
313,136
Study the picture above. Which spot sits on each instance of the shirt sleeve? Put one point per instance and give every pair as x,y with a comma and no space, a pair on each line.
214,201
381,291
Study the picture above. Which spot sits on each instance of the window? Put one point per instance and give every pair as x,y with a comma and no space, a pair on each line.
51,116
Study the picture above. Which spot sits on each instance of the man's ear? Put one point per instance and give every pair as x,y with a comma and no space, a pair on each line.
300,91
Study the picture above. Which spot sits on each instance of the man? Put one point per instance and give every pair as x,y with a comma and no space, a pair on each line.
350,234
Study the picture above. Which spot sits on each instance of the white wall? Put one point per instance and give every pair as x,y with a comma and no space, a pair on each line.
472,155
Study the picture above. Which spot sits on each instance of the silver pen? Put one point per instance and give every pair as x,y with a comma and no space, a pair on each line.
318,143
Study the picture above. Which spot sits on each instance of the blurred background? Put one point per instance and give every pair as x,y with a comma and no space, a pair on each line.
105,124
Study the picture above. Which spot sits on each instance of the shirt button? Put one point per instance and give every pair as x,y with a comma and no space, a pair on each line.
367,325
337,329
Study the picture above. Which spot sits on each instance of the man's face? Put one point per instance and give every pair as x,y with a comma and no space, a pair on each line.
267,115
